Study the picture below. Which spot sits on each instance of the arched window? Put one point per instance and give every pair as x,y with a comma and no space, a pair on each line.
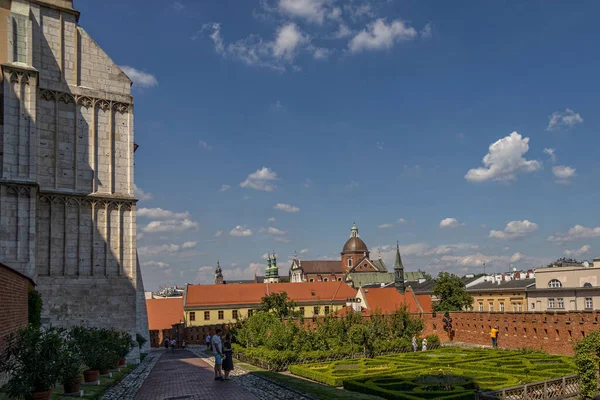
350,262
554,283
587,284
325,279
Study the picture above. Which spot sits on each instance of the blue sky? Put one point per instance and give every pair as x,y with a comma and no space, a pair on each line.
376,111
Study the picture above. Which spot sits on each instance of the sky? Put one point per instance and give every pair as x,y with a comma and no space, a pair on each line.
463,130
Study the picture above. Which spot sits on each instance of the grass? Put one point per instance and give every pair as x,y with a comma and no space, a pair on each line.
427,374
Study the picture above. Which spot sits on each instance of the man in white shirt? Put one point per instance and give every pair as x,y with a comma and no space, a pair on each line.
217,349
207,341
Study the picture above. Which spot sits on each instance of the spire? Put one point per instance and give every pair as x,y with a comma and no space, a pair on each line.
218,273
399,271
268,269
354,230
274,269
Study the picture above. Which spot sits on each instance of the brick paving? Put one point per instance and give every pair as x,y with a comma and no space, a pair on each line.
182,376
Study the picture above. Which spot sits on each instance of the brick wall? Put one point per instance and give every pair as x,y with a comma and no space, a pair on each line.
13,297
554,332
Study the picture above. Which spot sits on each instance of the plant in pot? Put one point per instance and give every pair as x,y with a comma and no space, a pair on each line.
72,366
33,362
88,342
110,349
125,344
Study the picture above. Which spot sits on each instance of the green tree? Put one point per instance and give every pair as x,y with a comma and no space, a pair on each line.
280,305
451,292
586,359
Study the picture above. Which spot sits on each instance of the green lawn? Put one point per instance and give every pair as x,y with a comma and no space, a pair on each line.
438,373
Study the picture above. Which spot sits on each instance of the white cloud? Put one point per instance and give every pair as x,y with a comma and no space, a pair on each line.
215,35
281,239
218,233
140,78
352,185
386,226
275,231
204,145
303,251
178,6
380,35
140,194
311,10
241,230
286,207
321,53
379,145
342,32
450,223
504,160
205,274
287,40
566,119
563,173
400,221
261,180
575,233
272,219
551,153
515,230
578,252
155,264
357,12
224,188
171,226
159,213
165,248
426,31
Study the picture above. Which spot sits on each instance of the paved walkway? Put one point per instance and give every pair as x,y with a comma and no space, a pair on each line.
182,376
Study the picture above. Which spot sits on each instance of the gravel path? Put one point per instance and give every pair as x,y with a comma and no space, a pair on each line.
127,387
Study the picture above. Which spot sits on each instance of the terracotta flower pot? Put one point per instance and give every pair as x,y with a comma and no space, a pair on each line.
41,395
73,387
91,375
121,362
105,371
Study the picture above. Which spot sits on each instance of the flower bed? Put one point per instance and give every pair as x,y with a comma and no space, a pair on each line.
445,373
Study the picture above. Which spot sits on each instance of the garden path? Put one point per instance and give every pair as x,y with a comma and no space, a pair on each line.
183,375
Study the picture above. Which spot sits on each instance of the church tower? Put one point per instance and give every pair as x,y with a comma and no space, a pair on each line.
218,274
354,249
399,271
272,272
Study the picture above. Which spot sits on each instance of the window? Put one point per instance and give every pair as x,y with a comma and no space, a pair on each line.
587,284
19,43
561,303
221,314
350,262
192,316
491,307
480,307
501,307
206,315
365,266
520,307
325,279
250,312
234,314
339,279
326,310
311,280
302,311
316,310
532,306
514,307
550,303
554,283
589,303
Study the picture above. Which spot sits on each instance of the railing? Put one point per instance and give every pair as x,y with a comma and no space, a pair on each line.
283,365
559,388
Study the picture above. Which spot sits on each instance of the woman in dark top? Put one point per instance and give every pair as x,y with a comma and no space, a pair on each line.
228,359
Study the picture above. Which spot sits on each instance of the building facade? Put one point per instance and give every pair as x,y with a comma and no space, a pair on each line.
67,205
500,296
569,287
207,305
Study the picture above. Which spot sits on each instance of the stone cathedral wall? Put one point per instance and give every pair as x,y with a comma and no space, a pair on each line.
67,207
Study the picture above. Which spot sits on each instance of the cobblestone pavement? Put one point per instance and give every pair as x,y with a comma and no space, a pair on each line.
182,376
130,384
261,387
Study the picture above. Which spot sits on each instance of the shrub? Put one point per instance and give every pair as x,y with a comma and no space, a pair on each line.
99,347
33,360
34,305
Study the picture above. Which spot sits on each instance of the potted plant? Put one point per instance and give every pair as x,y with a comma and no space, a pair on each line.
110,348
72,366
125,344
33,362
88,343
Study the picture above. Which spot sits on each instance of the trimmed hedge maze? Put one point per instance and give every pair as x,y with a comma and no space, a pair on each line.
448,373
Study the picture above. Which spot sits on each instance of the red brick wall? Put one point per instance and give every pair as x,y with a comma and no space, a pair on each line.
550,331
192,334
14,290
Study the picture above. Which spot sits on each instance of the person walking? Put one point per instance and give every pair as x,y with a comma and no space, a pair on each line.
424,348
183,345
494,335
217,350
208,341
228,352
173,342
166,342
414,343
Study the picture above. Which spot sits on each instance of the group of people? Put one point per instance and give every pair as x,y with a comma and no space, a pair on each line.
172,343
223,352
415,344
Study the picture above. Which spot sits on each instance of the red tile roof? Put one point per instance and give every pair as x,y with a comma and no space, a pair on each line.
252,293
162,313
322,267
387,300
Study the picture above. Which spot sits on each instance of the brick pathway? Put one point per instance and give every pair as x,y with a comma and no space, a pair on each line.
183,376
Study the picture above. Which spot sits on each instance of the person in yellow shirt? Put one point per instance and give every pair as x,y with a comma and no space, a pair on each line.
494,335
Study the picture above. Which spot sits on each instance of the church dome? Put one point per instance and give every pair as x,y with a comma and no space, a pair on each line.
355,245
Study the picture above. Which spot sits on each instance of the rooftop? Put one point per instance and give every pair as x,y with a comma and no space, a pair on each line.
388,300
511,284
163,313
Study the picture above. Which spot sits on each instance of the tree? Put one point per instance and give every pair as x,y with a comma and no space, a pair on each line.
280,305
451,292
427,276
586,359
